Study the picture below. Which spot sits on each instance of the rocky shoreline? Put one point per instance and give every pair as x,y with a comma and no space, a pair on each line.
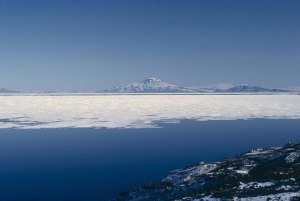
262,174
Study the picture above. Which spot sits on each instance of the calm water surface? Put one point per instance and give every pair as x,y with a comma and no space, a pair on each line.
96,164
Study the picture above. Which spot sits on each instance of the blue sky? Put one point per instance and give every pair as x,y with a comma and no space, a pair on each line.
89,45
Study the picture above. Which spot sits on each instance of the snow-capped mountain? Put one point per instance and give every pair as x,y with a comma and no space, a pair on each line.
261,174
155,85
3,90
150,85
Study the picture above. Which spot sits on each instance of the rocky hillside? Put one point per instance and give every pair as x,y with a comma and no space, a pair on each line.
261,174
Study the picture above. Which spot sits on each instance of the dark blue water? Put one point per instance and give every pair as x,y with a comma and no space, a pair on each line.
95,164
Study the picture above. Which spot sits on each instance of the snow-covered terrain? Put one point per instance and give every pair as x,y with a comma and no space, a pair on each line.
155,85
139,111
267,176
150,85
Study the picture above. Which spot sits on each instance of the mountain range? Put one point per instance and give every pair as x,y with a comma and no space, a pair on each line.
261,174
155,85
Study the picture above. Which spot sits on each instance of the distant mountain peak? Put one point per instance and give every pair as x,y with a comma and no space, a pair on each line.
149,85
152,80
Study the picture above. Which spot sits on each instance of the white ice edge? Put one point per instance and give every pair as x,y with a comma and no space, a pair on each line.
138,111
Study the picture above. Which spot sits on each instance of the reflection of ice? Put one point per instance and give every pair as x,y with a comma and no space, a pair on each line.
139,111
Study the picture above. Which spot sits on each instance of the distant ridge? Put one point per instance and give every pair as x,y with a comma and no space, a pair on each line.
246,88
155,85
3,90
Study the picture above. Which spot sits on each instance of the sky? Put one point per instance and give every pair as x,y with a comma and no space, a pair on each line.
86,45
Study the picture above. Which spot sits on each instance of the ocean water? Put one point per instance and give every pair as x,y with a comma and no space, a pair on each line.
96,164
92,147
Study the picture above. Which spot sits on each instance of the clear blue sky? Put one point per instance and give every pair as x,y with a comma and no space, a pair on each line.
93,44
